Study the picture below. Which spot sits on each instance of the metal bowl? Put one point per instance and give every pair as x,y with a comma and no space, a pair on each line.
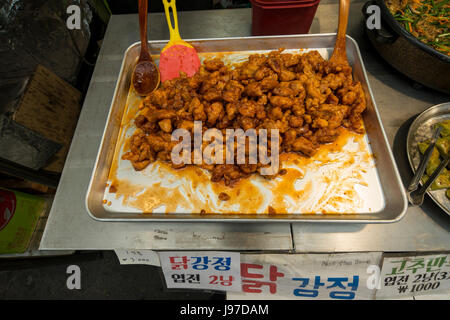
422,129
410,56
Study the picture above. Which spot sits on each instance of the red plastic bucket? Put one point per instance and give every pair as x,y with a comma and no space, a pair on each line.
281,2
293,17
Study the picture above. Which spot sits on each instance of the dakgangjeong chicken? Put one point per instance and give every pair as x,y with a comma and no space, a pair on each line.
306,98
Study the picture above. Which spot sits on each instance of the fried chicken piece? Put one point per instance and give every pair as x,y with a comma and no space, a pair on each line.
275,63
248,108
248,70
276,113
283,90
269,83
254,89
227,172
197,109
231,109
232,91
248,168
280,101
213,65
297,87
212,95
187,125
260,111
286,75
295,121
326,135
289,138
263,72
246,122
224,196
142,123
213,112
304,145
165,125
154,115
290,60
158,97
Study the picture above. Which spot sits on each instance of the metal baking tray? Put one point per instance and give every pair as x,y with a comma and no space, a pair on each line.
394,197
422,129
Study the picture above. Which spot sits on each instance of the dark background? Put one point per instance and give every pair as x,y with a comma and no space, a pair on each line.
102,277
130,6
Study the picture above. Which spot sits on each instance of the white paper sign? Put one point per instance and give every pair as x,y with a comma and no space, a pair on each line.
212,270
133,256
341,276
414,276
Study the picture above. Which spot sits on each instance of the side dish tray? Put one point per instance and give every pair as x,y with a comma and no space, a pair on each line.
395,203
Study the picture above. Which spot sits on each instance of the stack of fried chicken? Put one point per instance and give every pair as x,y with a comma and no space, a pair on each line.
304,96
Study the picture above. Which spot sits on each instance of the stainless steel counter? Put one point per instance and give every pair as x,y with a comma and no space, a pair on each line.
70,227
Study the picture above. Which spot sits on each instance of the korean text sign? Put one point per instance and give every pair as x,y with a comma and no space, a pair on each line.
306,276
414,275
202,270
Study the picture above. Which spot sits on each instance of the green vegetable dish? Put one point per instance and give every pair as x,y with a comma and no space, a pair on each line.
441,149
427,20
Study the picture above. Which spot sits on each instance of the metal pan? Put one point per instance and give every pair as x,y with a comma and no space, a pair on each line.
422,129
395,203
410,56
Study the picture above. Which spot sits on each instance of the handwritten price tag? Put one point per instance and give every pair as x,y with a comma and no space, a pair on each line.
132,256
414,275
212,270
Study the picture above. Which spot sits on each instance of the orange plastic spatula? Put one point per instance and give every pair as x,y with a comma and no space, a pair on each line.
178,55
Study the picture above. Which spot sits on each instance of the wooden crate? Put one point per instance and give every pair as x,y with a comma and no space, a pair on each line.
50,106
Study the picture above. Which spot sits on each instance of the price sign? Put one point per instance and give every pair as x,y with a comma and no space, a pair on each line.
414,276
202,270
306,276
133,256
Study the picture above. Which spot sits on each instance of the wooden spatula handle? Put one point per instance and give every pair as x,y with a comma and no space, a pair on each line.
339,49
143,15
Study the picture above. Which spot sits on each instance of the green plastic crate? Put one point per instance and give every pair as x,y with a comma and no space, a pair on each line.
19,213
